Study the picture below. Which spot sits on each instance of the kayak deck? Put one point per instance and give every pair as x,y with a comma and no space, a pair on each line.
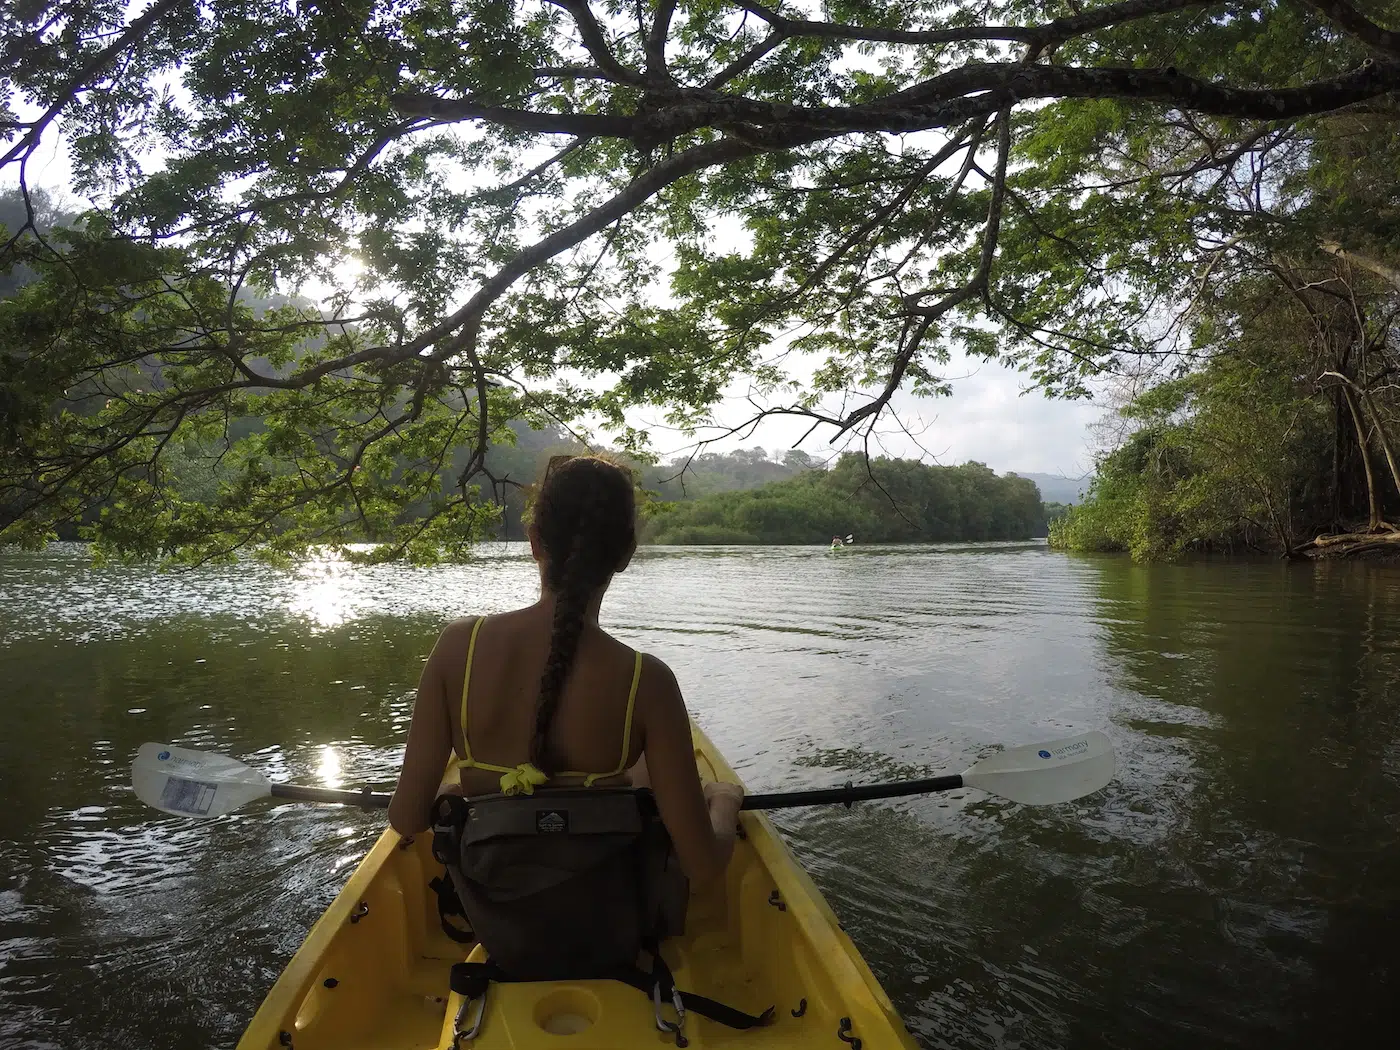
373,972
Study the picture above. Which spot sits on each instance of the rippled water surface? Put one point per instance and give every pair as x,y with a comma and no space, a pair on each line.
1237,886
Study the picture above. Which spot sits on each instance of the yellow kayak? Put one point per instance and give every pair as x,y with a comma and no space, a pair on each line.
373,972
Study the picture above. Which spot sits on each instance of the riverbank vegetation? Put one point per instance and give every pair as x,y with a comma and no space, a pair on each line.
469,217
881,500
1279,430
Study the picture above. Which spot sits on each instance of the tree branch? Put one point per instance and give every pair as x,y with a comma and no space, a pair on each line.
655,46
1358,25
639,190
745,62
1381,269
581,124
1039,37
95,65
970,91
978,285
596,43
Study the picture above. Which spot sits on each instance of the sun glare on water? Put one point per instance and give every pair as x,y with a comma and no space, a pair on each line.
322,596
328,769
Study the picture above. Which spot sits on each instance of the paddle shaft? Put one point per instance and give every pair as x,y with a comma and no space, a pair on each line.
367,799
852,793
364,798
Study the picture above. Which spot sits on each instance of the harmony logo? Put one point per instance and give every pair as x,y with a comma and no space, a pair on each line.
1067,751
551,821
163,756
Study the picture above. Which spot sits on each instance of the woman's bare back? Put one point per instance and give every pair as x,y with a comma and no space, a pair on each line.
591,719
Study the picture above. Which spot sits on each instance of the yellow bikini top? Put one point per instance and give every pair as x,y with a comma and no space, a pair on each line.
526,776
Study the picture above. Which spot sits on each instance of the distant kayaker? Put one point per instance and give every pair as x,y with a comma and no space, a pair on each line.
527,697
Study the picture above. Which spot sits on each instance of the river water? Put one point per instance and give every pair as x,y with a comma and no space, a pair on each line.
1238,885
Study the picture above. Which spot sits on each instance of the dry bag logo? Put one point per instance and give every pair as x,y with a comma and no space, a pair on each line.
551,821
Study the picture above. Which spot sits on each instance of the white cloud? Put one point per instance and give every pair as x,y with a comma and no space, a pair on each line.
993,417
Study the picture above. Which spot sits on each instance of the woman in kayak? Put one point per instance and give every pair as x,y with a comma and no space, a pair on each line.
528,697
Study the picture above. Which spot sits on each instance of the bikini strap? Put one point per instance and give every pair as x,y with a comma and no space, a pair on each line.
467,759
514,779
589,780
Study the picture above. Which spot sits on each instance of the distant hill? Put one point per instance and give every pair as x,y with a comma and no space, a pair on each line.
1056,488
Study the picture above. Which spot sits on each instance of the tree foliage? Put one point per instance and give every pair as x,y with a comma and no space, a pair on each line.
564,210
878,500
1285,428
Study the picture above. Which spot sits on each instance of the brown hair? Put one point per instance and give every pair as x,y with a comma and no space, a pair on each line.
585,516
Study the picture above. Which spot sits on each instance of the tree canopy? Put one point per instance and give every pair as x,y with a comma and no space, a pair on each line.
563,210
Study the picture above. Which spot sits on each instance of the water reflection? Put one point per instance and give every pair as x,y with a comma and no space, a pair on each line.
328,769
322,596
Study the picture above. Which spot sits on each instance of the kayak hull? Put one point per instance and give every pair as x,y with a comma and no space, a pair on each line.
373,972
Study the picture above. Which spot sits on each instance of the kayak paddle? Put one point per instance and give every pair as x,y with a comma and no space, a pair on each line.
198,784
1036,774
191,783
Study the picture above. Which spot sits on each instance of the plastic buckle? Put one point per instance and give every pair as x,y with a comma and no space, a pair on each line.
662,1025
459,1035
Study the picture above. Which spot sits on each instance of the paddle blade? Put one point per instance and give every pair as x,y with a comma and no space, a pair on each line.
1043,774
194,783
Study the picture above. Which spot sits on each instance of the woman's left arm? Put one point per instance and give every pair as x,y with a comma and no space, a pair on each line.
425,757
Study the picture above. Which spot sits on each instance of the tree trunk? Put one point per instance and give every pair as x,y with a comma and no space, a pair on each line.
1373,505
1380,435
1339,437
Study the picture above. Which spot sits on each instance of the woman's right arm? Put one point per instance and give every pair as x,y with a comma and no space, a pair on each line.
701,822
429,743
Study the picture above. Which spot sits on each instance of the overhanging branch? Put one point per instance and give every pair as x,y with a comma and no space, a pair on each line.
972,90
1386,41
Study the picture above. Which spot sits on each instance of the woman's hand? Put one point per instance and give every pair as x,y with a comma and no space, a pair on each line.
714,789
723,801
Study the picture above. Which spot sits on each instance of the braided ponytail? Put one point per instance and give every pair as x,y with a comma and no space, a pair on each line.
585,517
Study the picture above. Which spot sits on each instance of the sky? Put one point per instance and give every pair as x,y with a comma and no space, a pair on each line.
989,418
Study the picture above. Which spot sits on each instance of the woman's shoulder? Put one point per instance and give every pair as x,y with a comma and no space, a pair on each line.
654,669
658,682
458,629
453,640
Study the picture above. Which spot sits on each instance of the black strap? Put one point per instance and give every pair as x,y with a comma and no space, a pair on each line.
448,903
471,979
703,1005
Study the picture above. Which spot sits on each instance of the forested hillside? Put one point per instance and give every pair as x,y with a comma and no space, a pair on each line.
890,501
520,464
